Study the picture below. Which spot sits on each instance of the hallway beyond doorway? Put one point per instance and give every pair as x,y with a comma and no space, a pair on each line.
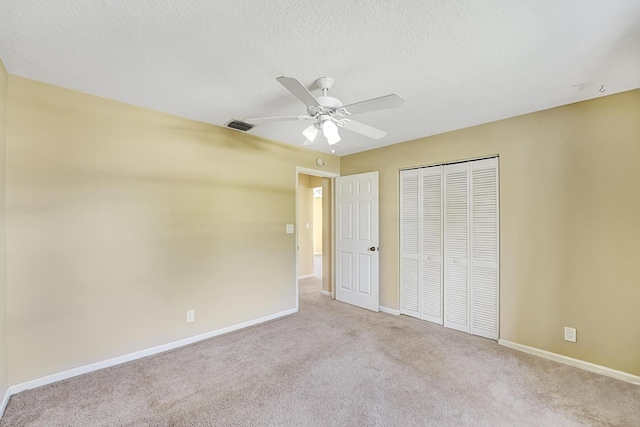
317,265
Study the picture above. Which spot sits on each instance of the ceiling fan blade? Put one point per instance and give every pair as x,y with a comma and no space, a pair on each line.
278,119
375,104
366,130
298,90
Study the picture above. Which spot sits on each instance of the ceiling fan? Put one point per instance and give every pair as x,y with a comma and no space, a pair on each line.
329,114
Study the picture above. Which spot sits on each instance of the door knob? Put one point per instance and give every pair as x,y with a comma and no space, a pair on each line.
372,248
455,261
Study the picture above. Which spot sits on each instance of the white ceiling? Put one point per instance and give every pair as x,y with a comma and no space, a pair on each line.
457,63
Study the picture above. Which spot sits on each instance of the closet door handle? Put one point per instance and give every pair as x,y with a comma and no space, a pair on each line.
429,258
455,261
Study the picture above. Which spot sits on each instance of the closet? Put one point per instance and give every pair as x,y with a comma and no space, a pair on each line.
449,245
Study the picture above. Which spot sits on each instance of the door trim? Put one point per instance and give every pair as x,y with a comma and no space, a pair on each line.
323,174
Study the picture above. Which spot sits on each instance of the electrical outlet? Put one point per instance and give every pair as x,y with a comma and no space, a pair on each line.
570,334
191,316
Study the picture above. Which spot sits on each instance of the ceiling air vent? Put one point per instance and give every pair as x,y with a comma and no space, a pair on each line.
238,125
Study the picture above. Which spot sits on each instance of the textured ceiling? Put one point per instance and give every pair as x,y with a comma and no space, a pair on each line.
457,63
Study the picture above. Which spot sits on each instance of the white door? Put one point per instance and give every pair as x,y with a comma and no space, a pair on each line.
431,240
456,246
410,243
421,243
484,248
449,245
357,251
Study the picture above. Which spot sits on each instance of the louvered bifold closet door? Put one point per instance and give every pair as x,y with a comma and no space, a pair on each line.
409,243
484,248
431,240
456,246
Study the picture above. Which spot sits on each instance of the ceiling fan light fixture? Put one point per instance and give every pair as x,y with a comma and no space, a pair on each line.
330,131
311,132
333,139
329,128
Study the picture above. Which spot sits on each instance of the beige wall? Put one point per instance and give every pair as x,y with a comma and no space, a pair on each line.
3,231
316,181
570,222
317,224
305,217
120,219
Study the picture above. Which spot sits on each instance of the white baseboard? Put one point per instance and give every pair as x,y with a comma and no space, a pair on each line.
327,293
587,366
317,253
5,400
306,276
142,353
389,310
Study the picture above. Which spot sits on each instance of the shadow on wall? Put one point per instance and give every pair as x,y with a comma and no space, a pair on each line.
120,219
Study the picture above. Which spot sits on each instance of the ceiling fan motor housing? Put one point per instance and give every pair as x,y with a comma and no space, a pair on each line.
329,102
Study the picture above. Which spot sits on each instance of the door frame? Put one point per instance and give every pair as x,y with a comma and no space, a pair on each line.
323,174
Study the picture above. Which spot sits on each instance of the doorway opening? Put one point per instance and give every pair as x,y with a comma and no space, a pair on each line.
314,236
317,230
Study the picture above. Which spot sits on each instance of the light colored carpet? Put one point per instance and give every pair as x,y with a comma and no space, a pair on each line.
333,365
